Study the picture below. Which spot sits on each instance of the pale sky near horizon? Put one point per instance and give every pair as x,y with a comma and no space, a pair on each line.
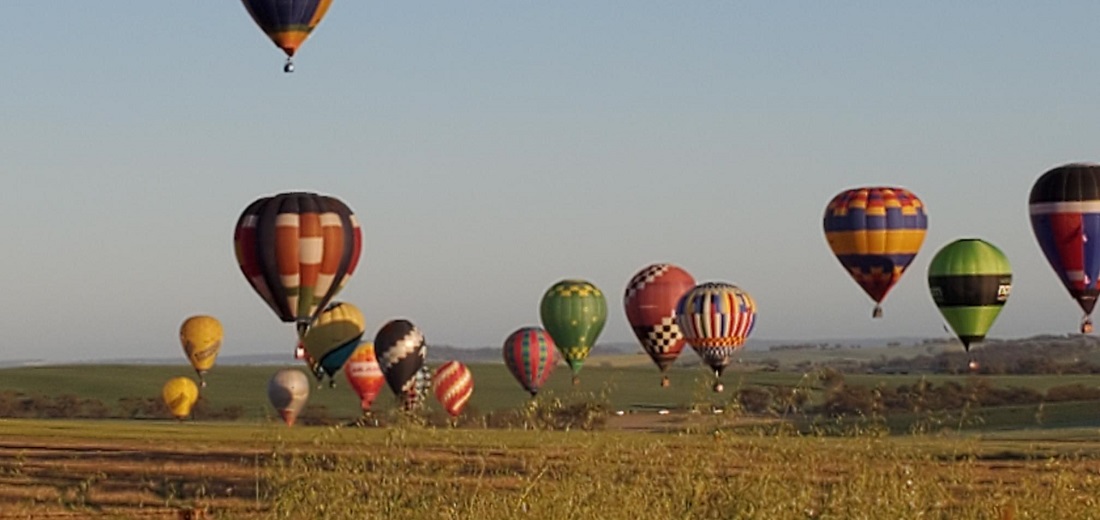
493,148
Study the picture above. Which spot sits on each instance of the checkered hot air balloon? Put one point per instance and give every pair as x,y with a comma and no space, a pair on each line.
574,313
875,232
716,319
650,304
1065,215
287,22
297,250
400,349
529,354
453,384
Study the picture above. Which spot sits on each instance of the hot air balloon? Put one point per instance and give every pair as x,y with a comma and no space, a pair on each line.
650,304
716,318
573,313
970,280
287,22
297,250
180,395
201,337
399,346
364,375
288,391
332,338
875,232
453,386
529,355
1065,215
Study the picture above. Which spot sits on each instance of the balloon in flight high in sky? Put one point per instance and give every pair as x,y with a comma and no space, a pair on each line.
875,232
1065,216
364,375
333,337
650,304
573,313
530,356
970,281
297,250
716,318
180,395
287,22
201,337
288,391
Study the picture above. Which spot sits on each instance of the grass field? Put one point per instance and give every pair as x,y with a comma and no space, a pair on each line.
158,469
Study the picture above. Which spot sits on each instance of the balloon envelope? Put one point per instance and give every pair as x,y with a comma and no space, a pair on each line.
970,280
453,384
529,355
650,304
288,391
180,395
287,22
297,250
573,313
875,232
201,337
1065,215
716,318
399,346
364,375
333,337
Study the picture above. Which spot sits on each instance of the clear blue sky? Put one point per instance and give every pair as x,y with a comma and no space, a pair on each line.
492,148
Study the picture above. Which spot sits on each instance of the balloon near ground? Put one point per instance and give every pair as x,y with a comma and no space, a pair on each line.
529,356
201,337
364,375
716,319
297,250
400,349
573,313
287,22
650,304
1065,215
180,395
332,338
288,391
875,232
453,384
970,281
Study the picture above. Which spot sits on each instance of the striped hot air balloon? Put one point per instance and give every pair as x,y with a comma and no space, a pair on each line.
529,355
875,232
297,250
716,319
970,280
453,384
287,22
332,338
650,304
1065,216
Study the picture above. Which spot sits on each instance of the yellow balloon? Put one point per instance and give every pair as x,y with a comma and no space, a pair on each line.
201,337
340,324
180,395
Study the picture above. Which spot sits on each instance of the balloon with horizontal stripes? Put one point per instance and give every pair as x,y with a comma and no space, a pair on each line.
875,232
1065,216
453,384
297,251
287,22
530,356
716,318
970,280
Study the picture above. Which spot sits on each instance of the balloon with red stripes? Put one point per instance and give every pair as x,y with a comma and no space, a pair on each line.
453,384
529,353
716,318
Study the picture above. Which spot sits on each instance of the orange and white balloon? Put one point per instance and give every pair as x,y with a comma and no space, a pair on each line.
453,386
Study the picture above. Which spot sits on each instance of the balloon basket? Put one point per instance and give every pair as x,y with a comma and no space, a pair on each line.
719,388
877,313
665,383
576,380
